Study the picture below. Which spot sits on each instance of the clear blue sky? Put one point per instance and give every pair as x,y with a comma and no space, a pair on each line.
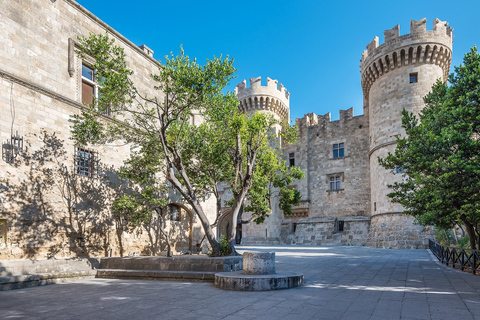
312,47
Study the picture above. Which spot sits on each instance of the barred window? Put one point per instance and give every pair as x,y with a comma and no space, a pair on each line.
339,225
86,162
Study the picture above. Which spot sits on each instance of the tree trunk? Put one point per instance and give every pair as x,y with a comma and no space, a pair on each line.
236,208
196,207
470,231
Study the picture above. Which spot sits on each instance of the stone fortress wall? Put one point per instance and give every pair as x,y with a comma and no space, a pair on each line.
394,76
48,209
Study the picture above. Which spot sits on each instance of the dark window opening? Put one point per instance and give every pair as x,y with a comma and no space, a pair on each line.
339,225
291,159
338,150
3,231
413,77
174,212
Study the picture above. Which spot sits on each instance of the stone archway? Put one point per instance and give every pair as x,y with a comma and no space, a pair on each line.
224,223
180,221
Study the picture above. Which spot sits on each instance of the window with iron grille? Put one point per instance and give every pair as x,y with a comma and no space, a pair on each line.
86,162
338,150
339,225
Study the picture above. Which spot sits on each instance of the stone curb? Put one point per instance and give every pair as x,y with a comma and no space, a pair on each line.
156,275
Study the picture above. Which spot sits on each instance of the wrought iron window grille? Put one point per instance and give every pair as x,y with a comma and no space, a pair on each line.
86,162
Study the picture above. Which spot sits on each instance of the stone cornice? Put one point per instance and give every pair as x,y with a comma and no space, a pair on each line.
380,146
94,18
49,93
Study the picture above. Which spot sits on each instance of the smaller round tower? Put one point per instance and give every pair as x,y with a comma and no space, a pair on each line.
275,100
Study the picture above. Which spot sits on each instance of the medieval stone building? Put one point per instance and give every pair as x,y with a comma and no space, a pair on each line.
344,193
55,199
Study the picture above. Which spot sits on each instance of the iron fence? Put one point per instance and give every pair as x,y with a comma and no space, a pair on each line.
460,258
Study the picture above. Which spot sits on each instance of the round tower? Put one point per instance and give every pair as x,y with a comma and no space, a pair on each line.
273,99
395,76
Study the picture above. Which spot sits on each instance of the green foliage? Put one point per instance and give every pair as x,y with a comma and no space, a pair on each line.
440,155
228,146
225,249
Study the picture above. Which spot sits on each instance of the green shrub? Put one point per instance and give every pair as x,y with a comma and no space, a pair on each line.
224,247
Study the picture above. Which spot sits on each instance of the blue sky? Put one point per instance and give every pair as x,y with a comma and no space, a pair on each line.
312,47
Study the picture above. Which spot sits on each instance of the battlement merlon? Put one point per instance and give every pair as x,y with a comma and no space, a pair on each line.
311,119
441,30
272,89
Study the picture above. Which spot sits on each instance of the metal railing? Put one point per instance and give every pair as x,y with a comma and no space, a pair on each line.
460,258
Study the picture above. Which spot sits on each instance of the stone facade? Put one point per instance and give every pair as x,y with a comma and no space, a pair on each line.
355,209
50,210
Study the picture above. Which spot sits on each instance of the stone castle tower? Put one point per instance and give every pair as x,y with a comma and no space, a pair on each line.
272,98
355,210
396,76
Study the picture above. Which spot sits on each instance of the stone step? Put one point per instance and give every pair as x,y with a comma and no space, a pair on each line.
156,275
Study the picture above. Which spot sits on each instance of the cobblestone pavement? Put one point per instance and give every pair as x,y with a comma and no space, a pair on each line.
341,283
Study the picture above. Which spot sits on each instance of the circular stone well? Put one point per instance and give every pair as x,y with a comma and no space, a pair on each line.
258,275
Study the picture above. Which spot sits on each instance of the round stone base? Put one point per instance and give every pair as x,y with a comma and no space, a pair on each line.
238,281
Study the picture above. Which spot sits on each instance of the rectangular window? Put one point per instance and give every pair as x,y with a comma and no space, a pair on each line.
291,159
339,225
338,150
86,162
174,212
89,87
413,77
335,183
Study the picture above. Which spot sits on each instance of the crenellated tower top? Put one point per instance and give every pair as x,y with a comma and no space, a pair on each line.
418,47
270,98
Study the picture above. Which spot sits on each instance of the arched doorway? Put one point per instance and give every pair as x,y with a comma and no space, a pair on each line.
224,225
180,226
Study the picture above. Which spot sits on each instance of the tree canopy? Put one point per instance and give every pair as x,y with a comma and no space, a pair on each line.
440,155
228,146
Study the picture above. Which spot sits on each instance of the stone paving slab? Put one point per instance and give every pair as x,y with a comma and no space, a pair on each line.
341,283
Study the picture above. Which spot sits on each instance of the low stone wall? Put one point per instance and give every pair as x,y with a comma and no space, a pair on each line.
322,231
183,263
398,231
16,274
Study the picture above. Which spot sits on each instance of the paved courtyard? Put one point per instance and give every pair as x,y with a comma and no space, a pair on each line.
341,283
